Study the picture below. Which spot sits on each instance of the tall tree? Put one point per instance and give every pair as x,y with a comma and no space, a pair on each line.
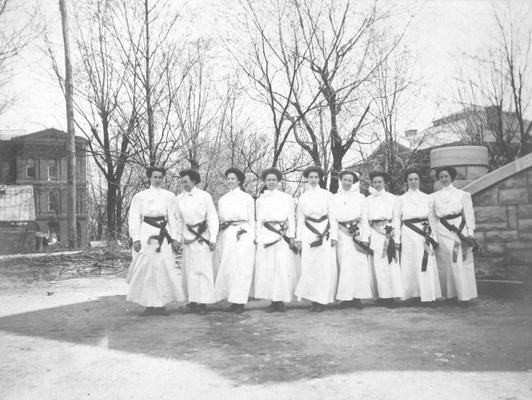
71,133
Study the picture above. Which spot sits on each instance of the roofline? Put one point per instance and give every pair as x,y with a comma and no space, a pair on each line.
500,174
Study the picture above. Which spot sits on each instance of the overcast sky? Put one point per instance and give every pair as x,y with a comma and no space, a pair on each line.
440,31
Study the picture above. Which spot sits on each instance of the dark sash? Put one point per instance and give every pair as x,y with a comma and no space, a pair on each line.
320,235
240,232
198,234
425,232
354,231
388,249
462,240
159,222
281,232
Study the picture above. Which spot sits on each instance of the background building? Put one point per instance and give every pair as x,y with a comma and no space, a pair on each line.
39,160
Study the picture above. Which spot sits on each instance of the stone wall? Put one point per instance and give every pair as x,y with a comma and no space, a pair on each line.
504,228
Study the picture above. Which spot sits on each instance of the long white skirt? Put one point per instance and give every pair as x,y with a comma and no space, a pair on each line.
235,272
153,277
416,283
388,279
276,272
354,281
319,273
457,278
198,273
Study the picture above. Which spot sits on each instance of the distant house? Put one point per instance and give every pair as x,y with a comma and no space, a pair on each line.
38,160
472,125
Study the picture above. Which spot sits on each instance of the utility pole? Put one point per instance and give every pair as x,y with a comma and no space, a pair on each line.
71,137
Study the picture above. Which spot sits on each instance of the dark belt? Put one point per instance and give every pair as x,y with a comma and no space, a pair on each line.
240,232
388,250
462,239
281,232
198,234
425,232
159,222
353,230
320,235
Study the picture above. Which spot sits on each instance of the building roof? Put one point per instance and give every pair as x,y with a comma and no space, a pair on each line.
46,135
16,203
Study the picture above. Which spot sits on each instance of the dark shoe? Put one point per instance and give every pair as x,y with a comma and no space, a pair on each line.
390,303
320,307
202,309
233,307
429,304
313,306
464,304
358,304
272,307
149,311
160,311
192,307
345,304
281,307
239,309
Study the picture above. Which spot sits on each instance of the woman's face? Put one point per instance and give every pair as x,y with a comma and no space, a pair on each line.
188,184
445,178
378,183
313,179
347,182
271,181
232,181
156,179
413,181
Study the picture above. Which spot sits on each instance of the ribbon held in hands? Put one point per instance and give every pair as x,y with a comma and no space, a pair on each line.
198,230
425,232
320,235
159,222
461,240
352,229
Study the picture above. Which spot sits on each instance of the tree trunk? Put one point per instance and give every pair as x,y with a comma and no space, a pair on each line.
71,138
111,209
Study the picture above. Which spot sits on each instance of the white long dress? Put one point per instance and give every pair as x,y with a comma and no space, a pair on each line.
236,210
416,283
388,278
276,266
153,277
195,207
319,272
457,273
354,281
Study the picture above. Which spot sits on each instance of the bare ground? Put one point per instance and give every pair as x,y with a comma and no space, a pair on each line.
79,338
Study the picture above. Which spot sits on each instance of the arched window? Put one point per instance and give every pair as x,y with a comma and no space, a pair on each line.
52,170
30,168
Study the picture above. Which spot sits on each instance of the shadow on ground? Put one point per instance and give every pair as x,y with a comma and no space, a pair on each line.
257,347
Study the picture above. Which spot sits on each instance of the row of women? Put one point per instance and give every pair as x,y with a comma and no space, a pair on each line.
336,247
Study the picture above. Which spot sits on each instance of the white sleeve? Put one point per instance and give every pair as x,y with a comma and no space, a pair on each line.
364,224
291,217
135,218
396,219
251,214
469,213
300,220
180,221
173,220
433,220
212,219
333,219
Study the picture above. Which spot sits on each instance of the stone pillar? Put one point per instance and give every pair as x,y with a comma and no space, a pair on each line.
471,162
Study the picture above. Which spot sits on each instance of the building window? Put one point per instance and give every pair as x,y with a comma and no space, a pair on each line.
53,202
52,170
30,168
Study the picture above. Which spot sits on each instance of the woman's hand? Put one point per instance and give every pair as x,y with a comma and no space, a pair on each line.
334,242
298,244
136,246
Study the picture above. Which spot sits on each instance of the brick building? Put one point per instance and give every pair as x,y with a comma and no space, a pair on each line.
39,159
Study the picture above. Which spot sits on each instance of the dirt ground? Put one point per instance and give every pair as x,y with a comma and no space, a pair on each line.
79,338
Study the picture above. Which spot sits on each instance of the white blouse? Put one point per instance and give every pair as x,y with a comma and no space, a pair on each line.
347,206
194,207
413,204
450,200
237,205
152,202
315,203
380,205
274,205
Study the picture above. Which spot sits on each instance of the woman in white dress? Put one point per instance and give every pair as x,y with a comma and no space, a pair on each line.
415,229
456,227
276,258
154,281
384,260
199,225
236,210
315,238
348,212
